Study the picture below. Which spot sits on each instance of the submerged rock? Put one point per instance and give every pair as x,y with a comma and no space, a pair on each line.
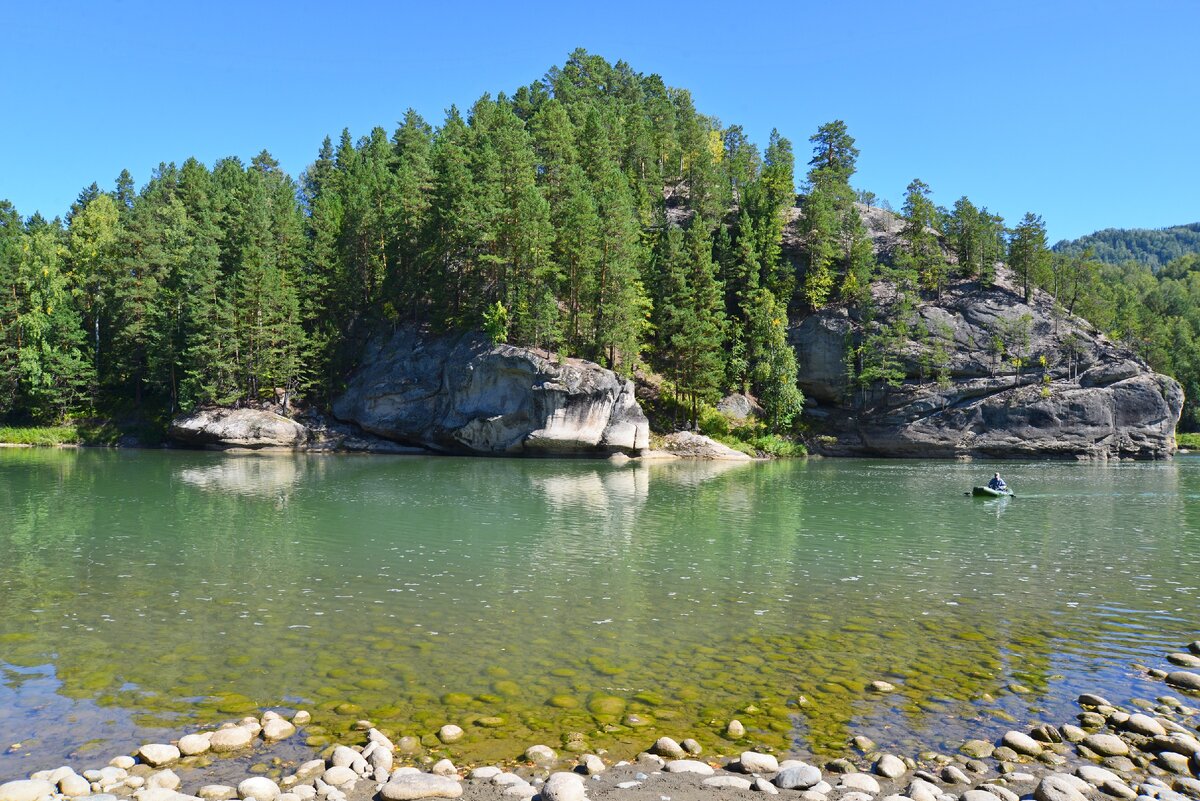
462,394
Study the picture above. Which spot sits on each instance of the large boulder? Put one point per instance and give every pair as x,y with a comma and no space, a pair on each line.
239,428
462,394
1075,394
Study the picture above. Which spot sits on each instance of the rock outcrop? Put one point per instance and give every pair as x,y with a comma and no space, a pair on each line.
1073,393
461,394
239,428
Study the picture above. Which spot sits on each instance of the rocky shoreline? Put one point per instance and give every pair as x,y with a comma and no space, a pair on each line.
1143,751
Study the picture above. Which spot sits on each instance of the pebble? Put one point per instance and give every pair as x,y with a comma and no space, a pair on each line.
277,729
1072,734
688,766
486,772
890,766
563,786
855,795
124,762
728,782
1118,789
25,790
1022,743
756,762
339,775
192,744
798,777
1144,724
628,785
882,686
1095,775
1106,744
167,780
541,754
668,748
735,730
863,782
155,754
410,786
977,749
305,792
1184,660
1002,793
408,745
258,788
978,795
450,733
954,775
761,785
231,739
1184,680
692,746
302,717
592,765
1057,787
444,767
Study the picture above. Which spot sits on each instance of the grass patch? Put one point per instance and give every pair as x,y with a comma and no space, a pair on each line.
48,436
1189,442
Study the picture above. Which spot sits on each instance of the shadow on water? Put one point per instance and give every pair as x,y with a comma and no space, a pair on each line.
160,589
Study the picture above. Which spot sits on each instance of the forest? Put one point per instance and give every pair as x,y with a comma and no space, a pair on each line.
595,213
1154,247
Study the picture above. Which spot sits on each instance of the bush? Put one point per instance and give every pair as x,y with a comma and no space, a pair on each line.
1189,442
712,423
39,435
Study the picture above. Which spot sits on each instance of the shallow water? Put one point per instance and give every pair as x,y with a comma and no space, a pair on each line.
143,591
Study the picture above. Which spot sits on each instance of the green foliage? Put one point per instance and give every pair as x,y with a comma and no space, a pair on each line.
1189,442
1154,248
495,323
44,436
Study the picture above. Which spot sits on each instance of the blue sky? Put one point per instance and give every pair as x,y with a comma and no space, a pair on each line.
1085,112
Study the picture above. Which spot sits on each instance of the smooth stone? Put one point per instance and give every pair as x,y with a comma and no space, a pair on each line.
339,775
1118,789
798,777
485,772
954,775
756,762
563,786
411,786
541,754
692,746
1184,680
277,729
628,785
158,794
1186,785
1184,660
977,749
381,759
890,766
53,776
896,797
1056,787
921,790
124,762
735,730
1106,744
450,733
288,797
506,779
343,757
840,765
761,785
193,744
668,748
812,795
135,782
409,745
305,792
1072,734
1144,724
310,770
728,782
231,739
591,764
26,790
1002,793
258,788
1177,742
862,782
882,686
688,766
978,795
155,754
855,795
302,717
166,779
1095,775
444,767
863,744
74,785
1022,743
1091,699
523,790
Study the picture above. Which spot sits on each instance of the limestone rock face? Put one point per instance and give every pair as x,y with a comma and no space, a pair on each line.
690,445
1075,394
461,394
239,428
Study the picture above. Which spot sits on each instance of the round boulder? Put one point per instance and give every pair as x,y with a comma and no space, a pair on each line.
155,754
258,788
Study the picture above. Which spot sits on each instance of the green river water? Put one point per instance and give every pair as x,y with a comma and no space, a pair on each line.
144,593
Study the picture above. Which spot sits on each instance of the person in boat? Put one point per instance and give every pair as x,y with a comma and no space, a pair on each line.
997,483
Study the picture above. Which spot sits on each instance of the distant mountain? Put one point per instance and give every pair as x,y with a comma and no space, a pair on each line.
1155,247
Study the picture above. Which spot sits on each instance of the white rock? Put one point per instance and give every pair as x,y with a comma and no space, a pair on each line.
135,782
376,736
166,779
728,782
338,776
156,794
863,782
1022,743
1144,724
1057,787
522,790
192,744
563,786
450,733
124,761
381,759
486,772
231,739
667,747
217,792
343,757
755,762
53,776
305,792
890,766
258,788
1095,775
735,730
506,779
301,717
26,790
541,754
688,766
155,754
420,785
763,786
444,767
1106,744
592,765
277,729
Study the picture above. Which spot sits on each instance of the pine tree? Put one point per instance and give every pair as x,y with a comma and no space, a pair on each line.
1028,256
13,246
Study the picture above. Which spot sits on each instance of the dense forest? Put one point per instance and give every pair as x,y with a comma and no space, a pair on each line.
1155,247
594,212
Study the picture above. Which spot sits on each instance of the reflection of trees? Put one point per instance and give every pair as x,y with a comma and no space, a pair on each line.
689,591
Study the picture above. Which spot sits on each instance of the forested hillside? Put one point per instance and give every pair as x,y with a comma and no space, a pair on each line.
1153,247
595,212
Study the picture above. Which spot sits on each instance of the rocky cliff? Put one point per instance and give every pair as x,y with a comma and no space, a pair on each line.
985,374
461,394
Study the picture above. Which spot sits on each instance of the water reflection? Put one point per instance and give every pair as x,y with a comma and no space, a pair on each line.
562,596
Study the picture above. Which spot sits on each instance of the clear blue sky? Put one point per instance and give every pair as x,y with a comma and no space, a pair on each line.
1085,112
